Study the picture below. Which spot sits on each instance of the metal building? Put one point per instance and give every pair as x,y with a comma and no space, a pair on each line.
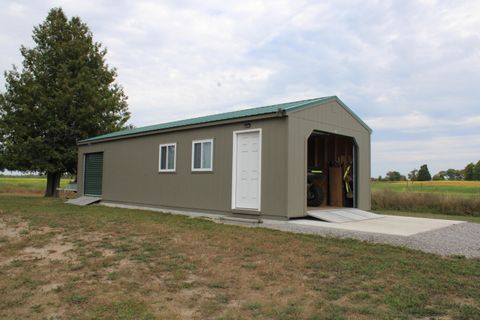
273,161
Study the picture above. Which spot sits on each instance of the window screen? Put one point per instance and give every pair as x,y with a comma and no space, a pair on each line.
167,157
202,153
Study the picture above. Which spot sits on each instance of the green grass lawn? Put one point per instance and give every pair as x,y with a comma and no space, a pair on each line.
457,188
67,262
25,184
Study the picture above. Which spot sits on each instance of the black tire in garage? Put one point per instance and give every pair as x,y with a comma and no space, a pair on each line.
314,196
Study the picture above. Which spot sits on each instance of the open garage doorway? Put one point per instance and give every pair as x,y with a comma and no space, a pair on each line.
331,171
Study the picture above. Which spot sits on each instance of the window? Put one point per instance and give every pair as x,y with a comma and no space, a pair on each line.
167,157
202,155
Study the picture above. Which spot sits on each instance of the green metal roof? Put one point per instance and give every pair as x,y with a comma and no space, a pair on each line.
289,106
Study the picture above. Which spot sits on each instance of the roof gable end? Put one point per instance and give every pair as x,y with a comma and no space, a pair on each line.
340,102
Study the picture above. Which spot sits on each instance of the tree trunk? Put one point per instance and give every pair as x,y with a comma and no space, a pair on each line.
53,182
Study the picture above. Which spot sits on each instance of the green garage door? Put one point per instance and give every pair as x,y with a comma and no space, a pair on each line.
93,174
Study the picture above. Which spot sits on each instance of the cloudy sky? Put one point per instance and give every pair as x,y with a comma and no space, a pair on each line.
410,69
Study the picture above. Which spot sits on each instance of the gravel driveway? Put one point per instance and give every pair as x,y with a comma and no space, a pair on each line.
459,239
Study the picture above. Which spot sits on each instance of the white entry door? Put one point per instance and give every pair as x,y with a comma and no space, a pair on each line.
247,150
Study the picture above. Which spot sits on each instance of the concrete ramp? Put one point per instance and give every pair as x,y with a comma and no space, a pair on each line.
392,225
342,215
83,201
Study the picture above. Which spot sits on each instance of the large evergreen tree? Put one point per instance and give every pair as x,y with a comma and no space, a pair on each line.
64,92
424,173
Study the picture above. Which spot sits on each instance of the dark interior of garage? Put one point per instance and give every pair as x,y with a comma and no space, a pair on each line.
331,170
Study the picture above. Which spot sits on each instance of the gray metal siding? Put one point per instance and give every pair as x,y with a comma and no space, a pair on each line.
131,169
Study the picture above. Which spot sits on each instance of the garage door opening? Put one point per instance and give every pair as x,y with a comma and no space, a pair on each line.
93,174
331,171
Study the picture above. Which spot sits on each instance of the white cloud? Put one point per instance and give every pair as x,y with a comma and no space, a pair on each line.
404,66
417,121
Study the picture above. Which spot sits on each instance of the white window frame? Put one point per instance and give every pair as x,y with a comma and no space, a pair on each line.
174,144
201,155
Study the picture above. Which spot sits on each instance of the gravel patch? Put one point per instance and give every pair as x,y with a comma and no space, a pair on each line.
459,239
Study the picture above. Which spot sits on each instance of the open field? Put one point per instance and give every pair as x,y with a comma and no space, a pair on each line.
443,197
431,202
62,261
25,185
454,188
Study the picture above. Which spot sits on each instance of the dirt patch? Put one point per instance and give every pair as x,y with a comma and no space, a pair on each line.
93,237
107,252
50,287
52,251
13,231
56,250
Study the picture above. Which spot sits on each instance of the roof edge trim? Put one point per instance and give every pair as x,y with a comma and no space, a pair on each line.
278,110
274,114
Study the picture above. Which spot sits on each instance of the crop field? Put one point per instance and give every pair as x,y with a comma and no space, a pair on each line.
456,188
25,185
60,261
441,197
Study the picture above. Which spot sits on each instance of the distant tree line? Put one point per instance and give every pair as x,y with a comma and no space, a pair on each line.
469,173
